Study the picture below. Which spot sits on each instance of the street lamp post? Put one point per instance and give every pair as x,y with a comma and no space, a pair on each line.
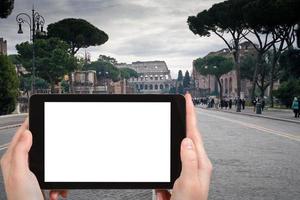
36,24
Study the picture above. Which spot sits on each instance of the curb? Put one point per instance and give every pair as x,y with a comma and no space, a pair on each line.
255,115
10,126
13,115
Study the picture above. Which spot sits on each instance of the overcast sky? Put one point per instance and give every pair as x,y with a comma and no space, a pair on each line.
139,30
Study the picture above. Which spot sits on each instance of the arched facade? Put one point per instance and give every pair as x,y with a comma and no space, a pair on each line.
154,74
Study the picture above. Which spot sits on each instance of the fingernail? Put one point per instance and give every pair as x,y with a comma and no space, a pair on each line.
158,197
187,142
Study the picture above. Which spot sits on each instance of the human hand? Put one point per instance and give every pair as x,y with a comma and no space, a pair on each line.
20,183
194,180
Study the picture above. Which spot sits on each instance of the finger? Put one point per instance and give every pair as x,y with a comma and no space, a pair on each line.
20,152
189,160
191,120
64,193
162,195
55,193
20,130
192,130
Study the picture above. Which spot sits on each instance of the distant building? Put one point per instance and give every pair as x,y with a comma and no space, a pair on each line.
153,77
120,87
3,46
85,82
207,85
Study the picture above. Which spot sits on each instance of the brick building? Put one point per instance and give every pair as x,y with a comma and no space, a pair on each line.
207,85
3,46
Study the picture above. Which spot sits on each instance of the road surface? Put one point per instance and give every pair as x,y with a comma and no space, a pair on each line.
253,158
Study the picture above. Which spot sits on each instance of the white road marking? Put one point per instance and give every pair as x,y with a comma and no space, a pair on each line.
249,125
9,126
4,146
13,115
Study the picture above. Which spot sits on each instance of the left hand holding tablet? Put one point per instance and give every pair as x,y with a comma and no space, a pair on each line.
20,183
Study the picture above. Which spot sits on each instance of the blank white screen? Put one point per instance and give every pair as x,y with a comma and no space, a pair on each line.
107,141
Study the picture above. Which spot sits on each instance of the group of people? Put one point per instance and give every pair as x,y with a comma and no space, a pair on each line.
261,101
225,103
228,103
296,107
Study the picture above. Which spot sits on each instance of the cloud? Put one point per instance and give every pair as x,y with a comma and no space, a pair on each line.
137,29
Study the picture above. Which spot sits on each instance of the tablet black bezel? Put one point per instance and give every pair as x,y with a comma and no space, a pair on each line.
36,124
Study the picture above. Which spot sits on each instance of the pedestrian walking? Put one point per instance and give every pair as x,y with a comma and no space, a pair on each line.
254,102
243,104
299,106
230,103
263,103
226,104
295,107
217,103
212,102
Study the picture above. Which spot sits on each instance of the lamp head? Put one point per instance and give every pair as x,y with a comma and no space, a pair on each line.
20,31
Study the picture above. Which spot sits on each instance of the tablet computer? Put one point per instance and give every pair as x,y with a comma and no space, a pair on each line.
106,141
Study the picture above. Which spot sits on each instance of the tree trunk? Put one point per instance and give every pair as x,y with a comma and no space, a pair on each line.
276,55
274,60
221,88
237,61
52,84
262,89
52,87
257,66
238,71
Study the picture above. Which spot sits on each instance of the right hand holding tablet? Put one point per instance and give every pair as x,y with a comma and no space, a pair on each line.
194,180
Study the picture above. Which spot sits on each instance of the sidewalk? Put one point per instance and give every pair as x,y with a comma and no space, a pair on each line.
270,113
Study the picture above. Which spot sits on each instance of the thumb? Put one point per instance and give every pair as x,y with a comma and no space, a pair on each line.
21,150
162,195
189,160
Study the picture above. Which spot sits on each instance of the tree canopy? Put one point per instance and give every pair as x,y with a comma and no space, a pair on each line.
287,91
127,73
290,62
298,35
180,76
8,86
265,24
25,83
214,65
271,24
106,70
290,80
107,59
52,60
223,18
6,7
78,33
186,79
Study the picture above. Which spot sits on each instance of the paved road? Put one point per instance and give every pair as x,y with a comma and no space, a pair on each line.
253,158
